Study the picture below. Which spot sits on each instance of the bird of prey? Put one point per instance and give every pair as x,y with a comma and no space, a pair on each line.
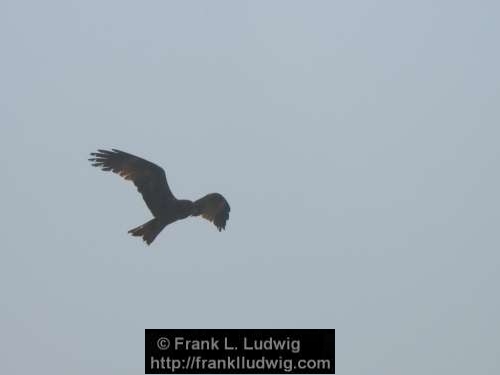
151,182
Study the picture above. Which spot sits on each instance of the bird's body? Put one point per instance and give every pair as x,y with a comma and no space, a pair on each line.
151,182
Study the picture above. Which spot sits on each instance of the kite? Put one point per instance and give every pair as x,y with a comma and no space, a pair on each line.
151,182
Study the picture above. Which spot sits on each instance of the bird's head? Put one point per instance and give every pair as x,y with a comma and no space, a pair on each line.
185,207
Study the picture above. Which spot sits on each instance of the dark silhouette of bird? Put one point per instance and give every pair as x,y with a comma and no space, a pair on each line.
151,182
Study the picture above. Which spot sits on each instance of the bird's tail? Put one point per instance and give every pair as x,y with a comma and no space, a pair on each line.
149,230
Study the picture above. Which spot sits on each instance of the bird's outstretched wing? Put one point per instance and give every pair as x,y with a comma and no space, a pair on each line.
214,208
148,177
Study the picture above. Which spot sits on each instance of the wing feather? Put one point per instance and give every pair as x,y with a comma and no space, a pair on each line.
149,178
214,208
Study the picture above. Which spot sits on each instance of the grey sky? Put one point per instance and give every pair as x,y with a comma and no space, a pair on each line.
357,143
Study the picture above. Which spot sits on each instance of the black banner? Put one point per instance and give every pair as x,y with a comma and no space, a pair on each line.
240,351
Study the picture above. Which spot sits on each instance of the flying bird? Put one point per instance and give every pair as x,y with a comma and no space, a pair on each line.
151,182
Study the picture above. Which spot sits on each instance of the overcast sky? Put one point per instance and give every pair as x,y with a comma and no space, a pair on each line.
357,143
